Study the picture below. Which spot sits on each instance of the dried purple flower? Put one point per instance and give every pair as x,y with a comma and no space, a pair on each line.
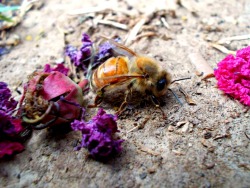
10,127
233,75
97,135
7,104
80,58
105,51
86,42
60,68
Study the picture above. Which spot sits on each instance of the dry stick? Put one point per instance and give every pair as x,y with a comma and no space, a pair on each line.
112,23
100,9
148,150
87,10
222,49
187,78
230,39
165,23
146,34
247,135
187,97
141,125
134,31
201,65
221,136
189,5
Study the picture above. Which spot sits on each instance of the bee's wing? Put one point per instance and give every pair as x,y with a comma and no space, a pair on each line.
123,83
120,79
120,49
124,76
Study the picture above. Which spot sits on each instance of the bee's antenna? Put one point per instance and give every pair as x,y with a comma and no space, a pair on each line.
180,79
176,97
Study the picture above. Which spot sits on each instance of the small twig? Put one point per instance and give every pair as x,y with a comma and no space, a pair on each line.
149,151
201,65
187,97
247,135
223,49
134,31
26,5
230,39
146,34
87,10
222,136
187,78
100,9
165,23
140,126
176,152
112,23
18,85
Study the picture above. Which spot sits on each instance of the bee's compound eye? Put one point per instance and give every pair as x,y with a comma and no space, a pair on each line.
161,84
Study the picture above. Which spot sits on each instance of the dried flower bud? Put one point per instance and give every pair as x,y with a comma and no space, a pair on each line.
51,99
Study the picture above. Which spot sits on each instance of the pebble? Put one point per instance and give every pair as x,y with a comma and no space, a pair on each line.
207,135
143,175
181,123
170,128
185,128
152,170
209,165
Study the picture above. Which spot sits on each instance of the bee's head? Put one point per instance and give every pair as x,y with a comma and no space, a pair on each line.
157,79
161,83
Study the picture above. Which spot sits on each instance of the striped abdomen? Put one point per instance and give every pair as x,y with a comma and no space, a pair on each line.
110,71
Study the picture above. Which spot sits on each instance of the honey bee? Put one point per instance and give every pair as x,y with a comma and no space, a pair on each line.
138,73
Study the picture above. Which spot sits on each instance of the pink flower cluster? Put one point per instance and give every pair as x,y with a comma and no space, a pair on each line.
233,75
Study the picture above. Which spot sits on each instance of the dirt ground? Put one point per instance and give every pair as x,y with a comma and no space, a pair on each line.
202,145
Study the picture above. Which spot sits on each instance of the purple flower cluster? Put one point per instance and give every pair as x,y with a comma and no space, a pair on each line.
97,135
9,126
233,75
104,51
60,68
82,58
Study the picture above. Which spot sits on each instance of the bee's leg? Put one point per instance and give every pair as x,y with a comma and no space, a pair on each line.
98,100
157,105
124,103
99,97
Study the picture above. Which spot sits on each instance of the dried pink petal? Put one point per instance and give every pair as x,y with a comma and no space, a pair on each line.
60,68
8,148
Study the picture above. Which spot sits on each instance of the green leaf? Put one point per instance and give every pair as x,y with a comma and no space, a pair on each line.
4,18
